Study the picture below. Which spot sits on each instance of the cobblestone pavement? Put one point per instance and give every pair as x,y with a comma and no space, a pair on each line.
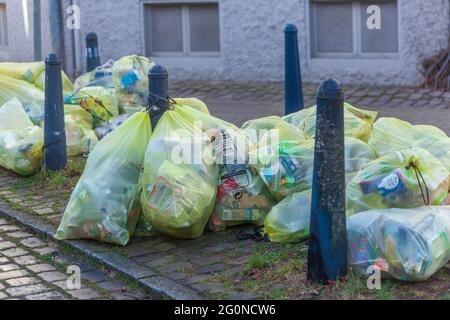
218,265
35,269
238,103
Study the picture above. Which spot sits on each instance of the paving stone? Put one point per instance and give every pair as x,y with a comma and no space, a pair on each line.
14,252
13,274
201,287
53,276
243,296
6,245
8,228
198,279
3,295
26,290
177,276
44,211
85,294
26,260
52,295
46,251
9,267
33,243
38,268
214,268
112,285
164,247
94,276
19,235
232,271
25,281
2,287
176,267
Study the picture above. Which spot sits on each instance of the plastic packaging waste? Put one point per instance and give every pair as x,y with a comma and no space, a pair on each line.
287,167
358,123
265,130
104,205
33,73
80,137
406,244
409,178
130,76
289,220
101,132
242,196
31,98
179,179
21,142
392,134
101,103
100,77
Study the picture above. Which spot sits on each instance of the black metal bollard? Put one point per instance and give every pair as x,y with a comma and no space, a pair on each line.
158,99
55,154
293,76
92,52
327,260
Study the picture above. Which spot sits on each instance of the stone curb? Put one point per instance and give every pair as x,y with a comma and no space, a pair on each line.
157,286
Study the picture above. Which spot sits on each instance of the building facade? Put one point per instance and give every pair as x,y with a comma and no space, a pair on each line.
362,41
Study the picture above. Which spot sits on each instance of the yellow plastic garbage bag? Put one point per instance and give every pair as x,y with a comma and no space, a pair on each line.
392,134
100,77
287,167
21,143
242,196
263,131
104,205
80,137
101,103
405,244
289,220
130,76
31,72
194,103
179,179
358,123
31,98
409,178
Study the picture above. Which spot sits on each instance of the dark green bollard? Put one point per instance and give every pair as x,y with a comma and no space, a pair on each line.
55,154
293,76
158,99
327,260
92,52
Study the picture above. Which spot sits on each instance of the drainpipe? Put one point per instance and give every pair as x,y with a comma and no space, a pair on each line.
76,47
37,30
56,28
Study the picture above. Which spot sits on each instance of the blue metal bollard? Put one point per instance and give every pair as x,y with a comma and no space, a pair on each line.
55,154
158,87
92,52
327,260
293,76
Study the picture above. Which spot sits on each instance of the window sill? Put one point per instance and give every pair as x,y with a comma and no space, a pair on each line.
355,63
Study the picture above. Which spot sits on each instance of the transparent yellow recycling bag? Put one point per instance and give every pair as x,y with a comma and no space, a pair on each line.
31,98
405,244
194,103
409,178
287,167
392,134
100,102
179,179
33,73
104,205
80,137
263,131
289,220
100,77
130,76
358,123
21,142
242,196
